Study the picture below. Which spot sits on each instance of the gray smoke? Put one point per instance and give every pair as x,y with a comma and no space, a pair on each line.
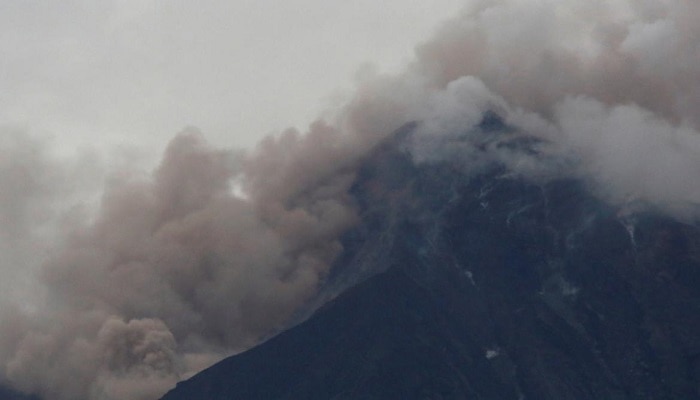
615,83
216,250
176,270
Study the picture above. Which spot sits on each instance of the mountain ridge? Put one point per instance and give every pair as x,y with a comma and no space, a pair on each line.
487,285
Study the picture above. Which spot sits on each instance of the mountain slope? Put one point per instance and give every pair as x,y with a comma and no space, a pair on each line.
487,286
7,394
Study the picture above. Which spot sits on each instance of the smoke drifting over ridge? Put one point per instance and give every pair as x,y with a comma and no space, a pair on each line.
177,269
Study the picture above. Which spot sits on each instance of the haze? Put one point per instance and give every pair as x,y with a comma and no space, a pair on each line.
134,73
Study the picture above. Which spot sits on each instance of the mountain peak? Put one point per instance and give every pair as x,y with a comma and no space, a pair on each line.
486,285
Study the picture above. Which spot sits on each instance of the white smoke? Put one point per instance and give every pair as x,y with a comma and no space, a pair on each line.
217,249
613,84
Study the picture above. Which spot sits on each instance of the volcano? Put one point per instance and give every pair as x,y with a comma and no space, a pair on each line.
8,394
481,283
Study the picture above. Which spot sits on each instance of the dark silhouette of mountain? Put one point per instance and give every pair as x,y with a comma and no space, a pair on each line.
485,285
8,394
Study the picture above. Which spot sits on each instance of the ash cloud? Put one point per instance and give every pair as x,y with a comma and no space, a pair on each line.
612,85
176,268
216,250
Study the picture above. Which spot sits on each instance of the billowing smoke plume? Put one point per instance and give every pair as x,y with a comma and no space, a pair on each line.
176,270
615,82
217,249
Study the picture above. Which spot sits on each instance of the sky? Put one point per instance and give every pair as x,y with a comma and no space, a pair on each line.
131,74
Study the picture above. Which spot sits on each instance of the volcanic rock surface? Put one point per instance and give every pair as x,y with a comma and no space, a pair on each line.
486,285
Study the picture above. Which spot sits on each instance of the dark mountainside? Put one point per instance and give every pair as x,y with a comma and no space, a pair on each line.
487,286
8,394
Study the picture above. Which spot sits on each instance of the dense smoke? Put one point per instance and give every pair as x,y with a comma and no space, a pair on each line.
176,270
614,82
216,249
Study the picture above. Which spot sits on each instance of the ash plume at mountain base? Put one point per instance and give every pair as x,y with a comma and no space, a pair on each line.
216,249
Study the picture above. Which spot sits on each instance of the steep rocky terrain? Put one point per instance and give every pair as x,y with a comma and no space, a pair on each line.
8,394
487,285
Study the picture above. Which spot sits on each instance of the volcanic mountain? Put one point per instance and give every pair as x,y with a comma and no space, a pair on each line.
8,394
483,283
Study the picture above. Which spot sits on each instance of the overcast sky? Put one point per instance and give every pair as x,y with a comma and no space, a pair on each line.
133,73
